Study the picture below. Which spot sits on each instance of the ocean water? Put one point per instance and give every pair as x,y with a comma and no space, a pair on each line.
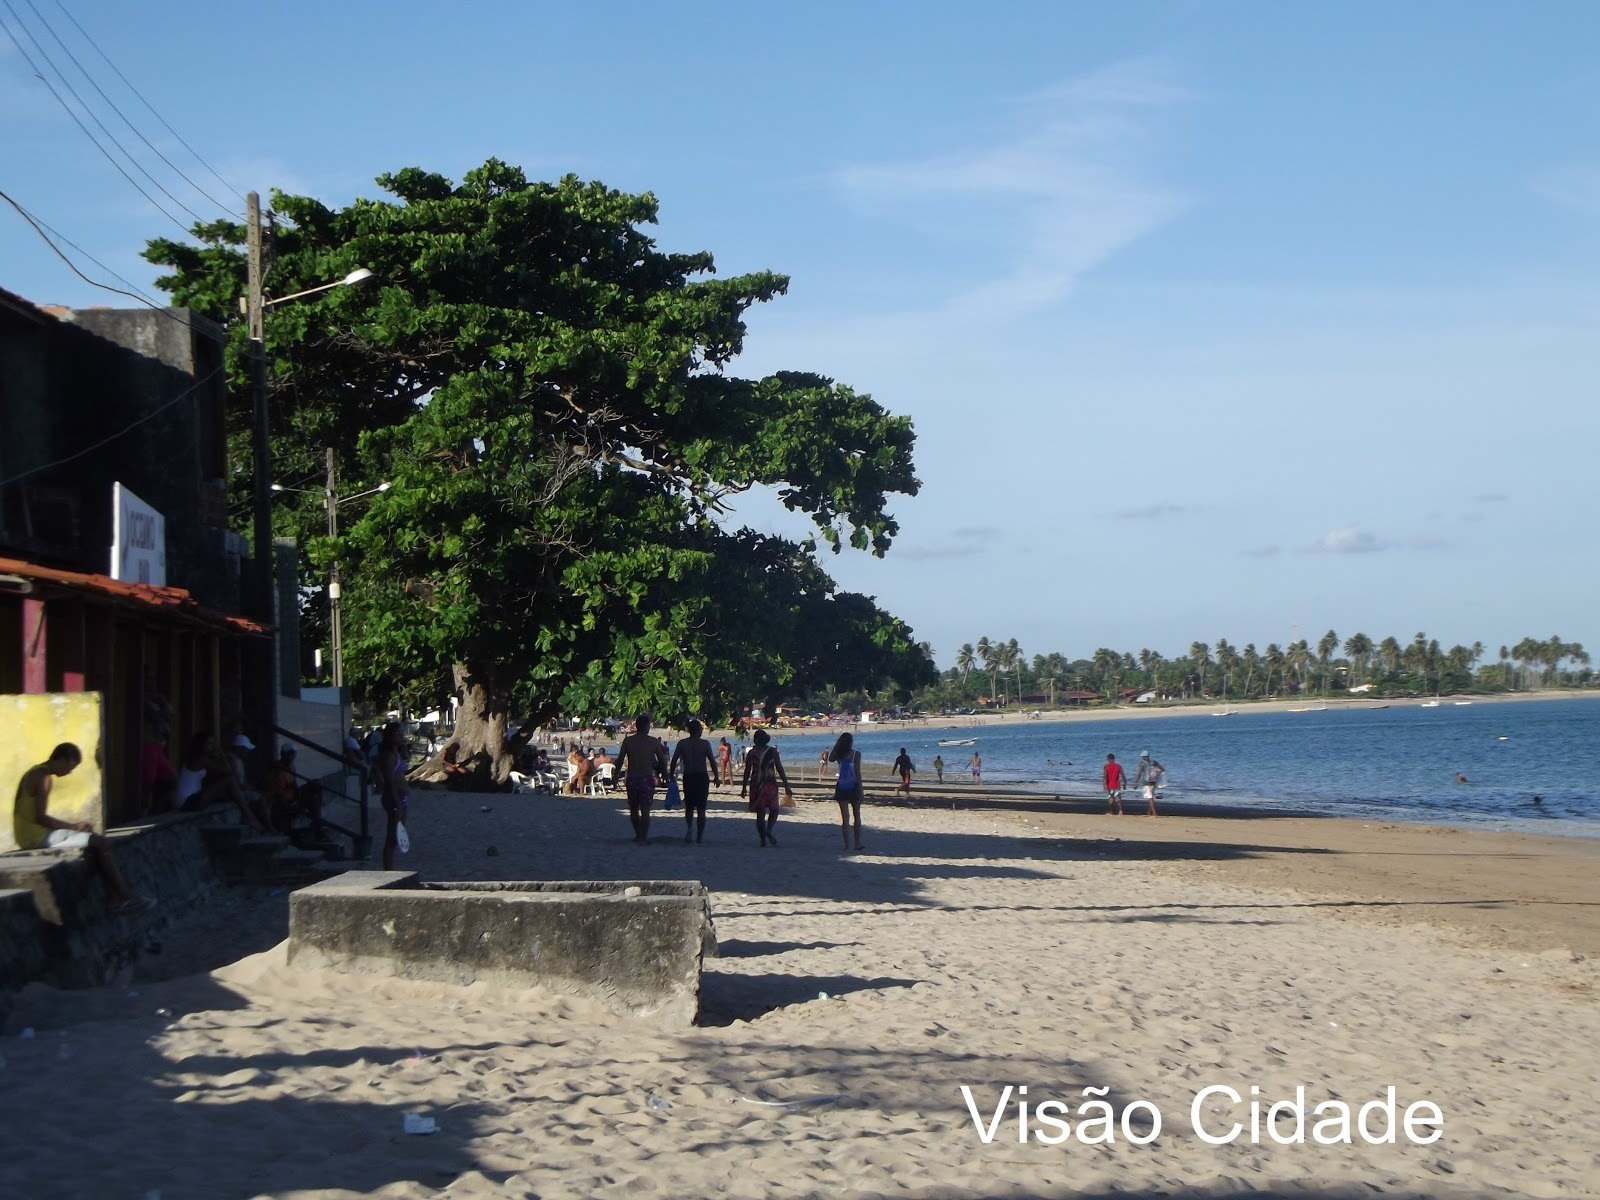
1394,764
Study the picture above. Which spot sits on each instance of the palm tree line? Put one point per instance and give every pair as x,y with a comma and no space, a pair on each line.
1296,668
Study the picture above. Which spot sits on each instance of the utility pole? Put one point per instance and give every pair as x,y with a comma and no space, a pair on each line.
263,604
336,639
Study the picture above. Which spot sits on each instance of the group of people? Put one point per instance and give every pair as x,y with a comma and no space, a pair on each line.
1116,781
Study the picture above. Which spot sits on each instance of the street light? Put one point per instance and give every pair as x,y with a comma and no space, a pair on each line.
255,306
331,501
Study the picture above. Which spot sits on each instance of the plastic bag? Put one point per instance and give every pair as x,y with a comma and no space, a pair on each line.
672,800
788,799
402,839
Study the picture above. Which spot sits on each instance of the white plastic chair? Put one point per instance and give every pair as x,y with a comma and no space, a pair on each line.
603,780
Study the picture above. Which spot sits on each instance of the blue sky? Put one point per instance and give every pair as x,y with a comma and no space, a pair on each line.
1221,320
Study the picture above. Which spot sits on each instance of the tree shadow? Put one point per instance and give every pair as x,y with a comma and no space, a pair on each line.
726,997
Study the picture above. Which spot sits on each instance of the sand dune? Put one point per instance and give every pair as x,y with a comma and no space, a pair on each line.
855,997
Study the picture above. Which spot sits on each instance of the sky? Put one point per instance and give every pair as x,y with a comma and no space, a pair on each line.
1239,320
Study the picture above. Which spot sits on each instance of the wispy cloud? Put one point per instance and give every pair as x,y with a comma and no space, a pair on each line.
966,541
1354,540
1063,189
1576,187
1151,511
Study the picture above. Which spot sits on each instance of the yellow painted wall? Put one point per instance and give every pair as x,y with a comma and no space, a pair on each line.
35,725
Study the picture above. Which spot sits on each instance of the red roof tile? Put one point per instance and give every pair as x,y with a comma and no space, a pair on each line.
169,601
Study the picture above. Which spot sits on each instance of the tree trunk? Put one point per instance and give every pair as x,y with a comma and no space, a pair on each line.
477,758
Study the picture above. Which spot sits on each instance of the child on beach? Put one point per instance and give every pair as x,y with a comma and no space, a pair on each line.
847,791
763,767
938,767
1115,780
977,769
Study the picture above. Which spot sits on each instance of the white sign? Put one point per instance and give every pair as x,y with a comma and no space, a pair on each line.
138,540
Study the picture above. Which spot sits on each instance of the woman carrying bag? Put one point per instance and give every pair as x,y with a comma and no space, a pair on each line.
762,771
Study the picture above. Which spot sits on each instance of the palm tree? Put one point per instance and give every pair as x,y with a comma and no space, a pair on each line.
965,660
1106,664
1201,653
1014,658
1298,655
1274,661
989,653
1326,645
1505,666
1389,651
1227,659
1055,666
1251,660
1358,649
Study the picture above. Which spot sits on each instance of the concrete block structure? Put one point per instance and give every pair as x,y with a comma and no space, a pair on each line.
634,945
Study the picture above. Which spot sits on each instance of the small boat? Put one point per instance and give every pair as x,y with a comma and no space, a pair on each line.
1462,703
1322,707
958,741
1429,704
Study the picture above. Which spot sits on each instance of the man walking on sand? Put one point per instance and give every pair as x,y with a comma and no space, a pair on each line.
1149,774
35,829
903,768
1115,780
641,758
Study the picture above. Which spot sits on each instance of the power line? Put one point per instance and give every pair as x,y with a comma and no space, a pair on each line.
147,103
40,228
123,432
68,108
40,17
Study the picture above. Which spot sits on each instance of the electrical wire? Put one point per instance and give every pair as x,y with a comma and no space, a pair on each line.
147,103
65,49
39,227
38,74
123,432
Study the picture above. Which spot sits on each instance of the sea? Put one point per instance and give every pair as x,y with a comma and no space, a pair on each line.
1390,764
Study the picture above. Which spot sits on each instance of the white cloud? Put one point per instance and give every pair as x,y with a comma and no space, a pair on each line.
1349,541
1574,187
1056,195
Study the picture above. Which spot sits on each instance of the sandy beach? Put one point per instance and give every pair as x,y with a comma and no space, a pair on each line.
982,940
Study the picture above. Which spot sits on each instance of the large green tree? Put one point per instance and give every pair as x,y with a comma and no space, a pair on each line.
549,396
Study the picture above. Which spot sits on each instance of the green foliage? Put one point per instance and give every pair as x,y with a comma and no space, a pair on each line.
548,394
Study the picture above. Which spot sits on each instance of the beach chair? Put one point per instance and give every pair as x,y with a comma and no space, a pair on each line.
603,780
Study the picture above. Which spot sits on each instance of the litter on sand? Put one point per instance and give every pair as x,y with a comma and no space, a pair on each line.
415,1124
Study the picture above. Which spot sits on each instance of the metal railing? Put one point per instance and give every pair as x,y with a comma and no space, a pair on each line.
360,838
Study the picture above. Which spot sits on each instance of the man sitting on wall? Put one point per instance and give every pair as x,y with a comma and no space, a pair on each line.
35,829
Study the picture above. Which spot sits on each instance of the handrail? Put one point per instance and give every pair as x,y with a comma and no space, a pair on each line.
363,841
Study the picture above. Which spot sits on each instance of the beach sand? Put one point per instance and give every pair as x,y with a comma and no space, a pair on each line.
1001,941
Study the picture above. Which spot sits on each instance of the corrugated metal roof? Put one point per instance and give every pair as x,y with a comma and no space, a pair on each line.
167,601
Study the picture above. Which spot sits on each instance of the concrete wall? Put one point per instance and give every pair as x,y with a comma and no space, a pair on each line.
636,946
34,726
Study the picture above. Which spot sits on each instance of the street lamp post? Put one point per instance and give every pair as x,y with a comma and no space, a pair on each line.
255,304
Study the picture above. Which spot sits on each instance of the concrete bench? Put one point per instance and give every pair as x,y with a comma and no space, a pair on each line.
634,945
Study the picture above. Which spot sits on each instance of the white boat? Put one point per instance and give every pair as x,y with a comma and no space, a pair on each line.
1462,703
958,741
1429,704
1321,707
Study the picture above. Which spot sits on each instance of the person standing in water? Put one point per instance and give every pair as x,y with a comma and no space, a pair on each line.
699,769
938,767
847,790
977,769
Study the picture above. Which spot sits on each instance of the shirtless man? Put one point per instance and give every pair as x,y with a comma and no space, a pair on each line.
36,829
642,758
